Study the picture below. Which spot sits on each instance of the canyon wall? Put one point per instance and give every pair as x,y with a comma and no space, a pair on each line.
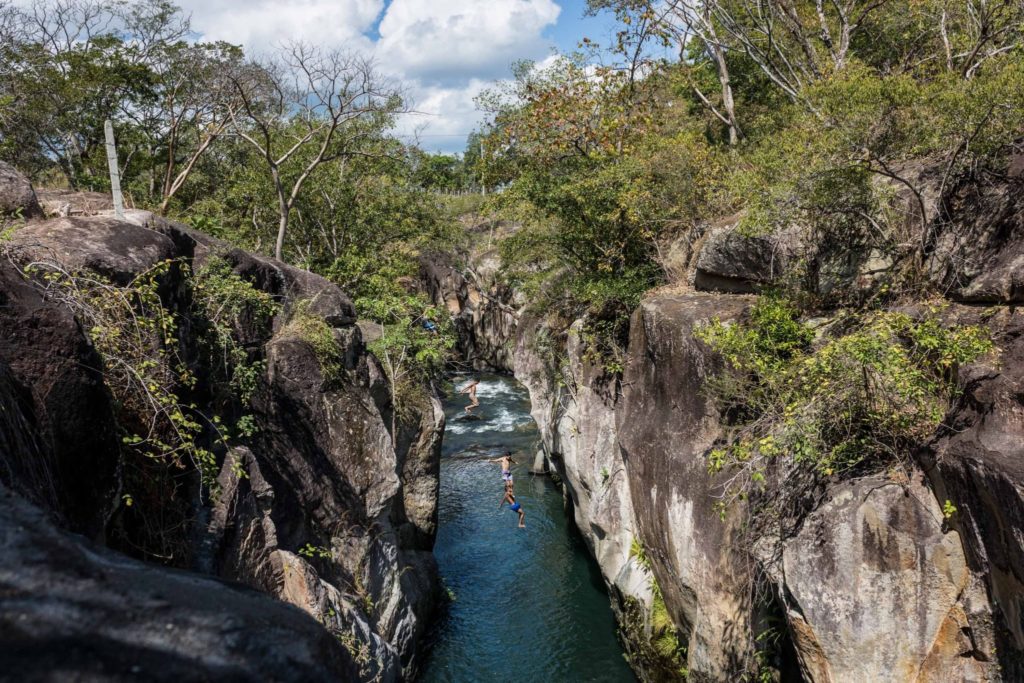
321,504
873,581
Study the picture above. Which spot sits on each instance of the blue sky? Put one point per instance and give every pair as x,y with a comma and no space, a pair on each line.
444,51
572,25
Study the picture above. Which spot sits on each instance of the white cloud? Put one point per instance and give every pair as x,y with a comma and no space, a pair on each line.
443,51
261,24
443,117
444,40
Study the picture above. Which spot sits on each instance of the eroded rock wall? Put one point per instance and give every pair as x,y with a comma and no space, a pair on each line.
874,578
329,504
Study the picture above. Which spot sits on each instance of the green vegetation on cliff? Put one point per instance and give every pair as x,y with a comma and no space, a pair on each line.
803,120
864,395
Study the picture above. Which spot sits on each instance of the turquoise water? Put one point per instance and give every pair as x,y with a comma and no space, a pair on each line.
529,604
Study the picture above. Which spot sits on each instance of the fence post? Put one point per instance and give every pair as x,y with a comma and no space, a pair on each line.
115,175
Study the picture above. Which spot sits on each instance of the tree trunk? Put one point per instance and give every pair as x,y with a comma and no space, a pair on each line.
284,208
728,103
282,228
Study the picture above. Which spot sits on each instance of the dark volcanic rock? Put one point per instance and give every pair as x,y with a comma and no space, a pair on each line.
978,465
57,413
330,506
289,283
70,611
977,254
116,249
17,198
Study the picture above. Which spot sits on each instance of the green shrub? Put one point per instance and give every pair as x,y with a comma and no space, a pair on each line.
226,303
314,331
636,549
137,338
862,398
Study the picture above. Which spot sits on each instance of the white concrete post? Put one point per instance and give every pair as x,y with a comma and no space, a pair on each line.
115,175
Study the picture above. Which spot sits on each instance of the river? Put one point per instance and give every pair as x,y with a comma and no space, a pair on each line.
529,604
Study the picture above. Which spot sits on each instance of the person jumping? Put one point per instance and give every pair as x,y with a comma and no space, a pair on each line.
510,498
471,390
506,467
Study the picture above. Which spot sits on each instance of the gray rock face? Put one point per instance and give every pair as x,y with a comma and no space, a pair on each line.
665,425
879,590
73,611
483,308
17,198
325,451
872,582
580,444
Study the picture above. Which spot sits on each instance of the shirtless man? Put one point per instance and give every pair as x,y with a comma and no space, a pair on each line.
510,498
471,390
506,468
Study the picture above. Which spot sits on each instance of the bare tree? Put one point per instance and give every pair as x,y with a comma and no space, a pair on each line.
689,19
790,45
681,22
306,108
992,27
193,103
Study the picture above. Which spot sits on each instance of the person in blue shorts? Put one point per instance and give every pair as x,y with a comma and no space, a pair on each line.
510,498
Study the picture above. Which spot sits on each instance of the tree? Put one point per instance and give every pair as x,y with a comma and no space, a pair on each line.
438,172
73,64
191,108
305,108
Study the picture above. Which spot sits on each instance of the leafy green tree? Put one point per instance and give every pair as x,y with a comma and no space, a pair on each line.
305,108
72,65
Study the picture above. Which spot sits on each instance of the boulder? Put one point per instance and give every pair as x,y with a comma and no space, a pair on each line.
73,611
878,588
115,249
64,203
730,261
17,198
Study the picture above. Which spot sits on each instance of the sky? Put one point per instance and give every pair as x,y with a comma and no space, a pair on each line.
444,52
